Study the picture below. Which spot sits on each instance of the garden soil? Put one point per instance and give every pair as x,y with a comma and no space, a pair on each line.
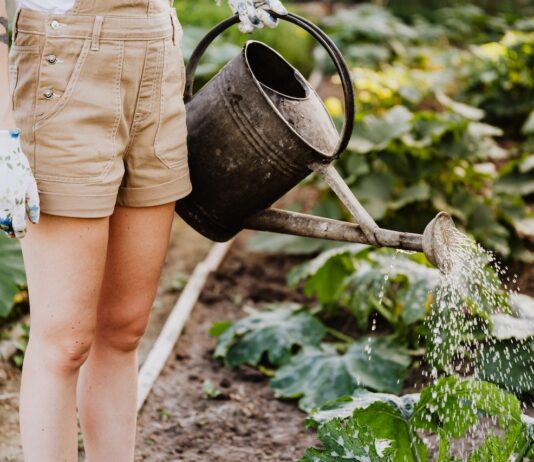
245,423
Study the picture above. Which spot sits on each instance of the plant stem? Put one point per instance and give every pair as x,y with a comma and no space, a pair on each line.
385,313
413,446
339,335
524,451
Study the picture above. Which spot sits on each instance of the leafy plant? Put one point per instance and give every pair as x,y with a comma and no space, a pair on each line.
350,441
362,281
500,80
405,167
12,275
273,333
448,409
21,344
319,374
369,34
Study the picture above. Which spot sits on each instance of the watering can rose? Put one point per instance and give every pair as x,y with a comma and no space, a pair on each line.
255,13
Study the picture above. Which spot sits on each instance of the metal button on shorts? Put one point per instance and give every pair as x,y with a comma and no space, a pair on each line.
108,124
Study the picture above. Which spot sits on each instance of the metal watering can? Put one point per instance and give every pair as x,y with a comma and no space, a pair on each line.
256,130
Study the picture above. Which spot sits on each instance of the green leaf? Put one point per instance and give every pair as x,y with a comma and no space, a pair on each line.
218,328
469,112
453,406
374,192
344,407
516,183
508,363
375,133
291,245
349,441
415,193
325,274
274,332
210,390
386,422
12,273
318,375
500,449
406,284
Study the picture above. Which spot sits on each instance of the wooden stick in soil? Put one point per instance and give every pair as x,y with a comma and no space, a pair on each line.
164,344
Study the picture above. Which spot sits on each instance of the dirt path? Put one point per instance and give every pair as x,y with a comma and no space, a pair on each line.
178,423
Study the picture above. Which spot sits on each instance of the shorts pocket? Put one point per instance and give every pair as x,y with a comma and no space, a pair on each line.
75,134
62,62
170,144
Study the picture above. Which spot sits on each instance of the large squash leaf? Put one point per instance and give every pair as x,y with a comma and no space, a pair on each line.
386,422
11,273
448,409
320,374
274,333
364,280
349,441
452,406
345,406
386,416
326,274
508,363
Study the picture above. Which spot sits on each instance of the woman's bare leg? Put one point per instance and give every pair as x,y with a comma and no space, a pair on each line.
64,260
107,387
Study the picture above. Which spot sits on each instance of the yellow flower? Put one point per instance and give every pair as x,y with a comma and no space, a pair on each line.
334,106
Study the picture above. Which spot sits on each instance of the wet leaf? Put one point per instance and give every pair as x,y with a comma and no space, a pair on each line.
320,374
509,363
453,406
345,406
349,441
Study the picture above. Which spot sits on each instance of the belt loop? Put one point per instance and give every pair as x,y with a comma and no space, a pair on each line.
97,29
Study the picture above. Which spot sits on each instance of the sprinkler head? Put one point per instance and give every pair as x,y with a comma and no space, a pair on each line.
437,241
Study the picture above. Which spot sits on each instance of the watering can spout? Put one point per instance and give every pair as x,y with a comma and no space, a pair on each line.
434,242
438,241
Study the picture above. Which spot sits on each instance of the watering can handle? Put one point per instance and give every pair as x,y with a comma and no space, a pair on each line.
313,30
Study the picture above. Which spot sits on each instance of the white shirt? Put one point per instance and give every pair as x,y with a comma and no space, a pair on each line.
50,6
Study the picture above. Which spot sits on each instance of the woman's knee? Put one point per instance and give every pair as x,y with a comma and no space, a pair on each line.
122,334
62,353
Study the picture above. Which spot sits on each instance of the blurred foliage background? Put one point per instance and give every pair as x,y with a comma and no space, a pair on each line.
444,121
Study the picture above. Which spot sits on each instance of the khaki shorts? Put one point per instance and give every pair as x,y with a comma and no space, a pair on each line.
99,103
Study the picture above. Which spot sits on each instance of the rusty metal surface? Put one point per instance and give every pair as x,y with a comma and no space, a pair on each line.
286,222
243,152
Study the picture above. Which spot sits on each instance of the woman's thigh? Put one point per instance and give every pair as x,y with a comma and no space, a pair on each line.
138,243
64,260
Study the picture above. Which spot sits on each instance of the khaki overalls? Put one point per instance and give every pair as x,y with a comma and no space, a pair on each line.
97,94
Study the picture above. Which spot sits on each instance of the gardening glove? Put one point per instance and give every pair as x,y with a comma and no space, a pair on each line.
254,13
18,189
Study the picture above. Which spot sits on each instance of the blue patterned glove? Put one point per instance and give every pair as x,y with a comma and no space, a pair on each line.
254,13
18,189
